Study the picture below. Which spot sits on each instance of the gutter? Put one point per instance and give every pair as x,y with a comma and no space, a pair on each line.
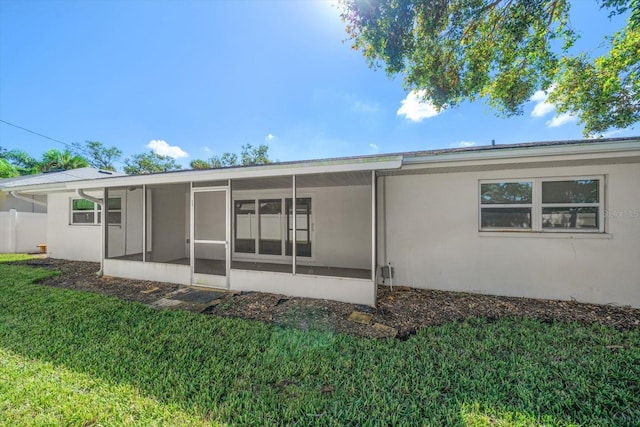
100,202
26,199
84,195
241,172
619,149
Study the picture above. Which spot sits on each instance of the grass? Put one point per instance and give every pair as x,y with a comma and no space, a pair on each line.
74,358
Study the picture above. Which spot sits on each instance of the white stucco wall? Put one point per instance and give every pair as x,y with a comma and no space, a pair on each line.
432,240
73,242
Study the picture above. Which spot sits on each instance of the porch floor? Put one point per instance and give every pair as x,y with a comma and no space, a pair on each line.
217,267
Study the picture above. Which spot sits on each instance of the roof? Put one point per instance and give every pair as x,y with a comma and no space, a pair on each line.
80,174
628,148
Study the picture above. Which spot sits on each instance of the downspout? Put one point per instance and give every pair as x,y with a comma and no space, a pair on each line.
100,202
84,195
26,199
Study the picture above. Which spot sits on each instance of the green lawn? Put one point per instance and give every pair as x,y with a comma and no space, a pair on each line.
74,358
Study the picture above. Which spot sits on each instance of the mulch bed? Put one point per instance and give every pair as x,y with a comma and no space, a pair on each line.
404,309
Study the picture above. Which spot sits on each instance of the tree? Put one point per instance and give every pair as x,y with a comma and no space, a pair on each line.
21,161
150,162
98,155
7,170
200,164
248,156
255,155
451,51
55,159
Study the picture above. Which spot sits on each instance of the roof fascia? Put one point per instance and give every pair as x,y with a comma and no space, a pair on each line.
37,188
526,154
264,171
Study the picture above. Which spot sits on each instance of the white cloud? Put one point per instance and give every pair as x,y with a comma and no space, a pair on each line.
542,107
206,149
415,109
539,95
373,148
270,137
562,119
612,133
465,144
161,147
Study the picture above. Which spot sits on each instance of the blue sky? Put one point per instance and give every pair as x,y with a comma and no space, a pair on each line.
197,78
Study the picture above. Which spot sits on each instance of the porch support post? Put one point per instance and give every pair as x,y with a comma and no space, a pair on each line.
144,223
105,229
294,226
373,235
192,251
227,245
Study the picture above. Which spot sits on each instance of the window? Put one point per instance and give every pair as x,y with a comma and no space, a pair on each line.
545,204
571,204
506,205
86,212
261,226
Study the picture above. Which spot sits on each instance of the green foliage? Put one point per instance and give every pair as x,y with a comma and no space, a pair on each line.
23,162
55,159
249,156
150,162
52,159
501,50
98,155
604,92
7,170
200,164
74,358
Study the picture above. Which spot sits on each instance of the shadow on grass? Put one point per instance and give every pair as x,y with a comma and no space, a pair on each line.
248,373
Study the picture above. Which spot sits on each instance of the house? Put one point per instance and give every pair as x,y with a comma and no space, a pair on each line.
23,219
554,220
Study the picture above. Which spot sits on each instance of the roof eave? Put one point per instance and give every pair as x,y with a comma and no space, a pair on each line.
263,171
526,154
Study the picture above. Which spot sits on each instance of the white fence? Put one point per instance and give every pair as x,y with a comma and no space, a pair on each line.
22,231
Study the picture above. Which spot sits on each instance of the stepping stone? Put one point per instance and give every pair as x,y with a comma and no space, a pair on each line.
150,291
386,331
165,303
360,317
201,297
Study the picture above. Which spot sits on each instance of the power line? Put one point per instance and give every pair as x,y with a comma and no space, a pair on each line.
36,133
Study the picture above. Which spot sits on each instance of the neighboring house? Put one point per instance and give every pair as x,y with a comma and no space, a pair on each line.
543,220
23,219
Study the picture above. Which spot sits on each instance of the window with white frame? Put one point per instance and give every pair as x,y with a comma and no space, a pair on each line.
85,212
572,204
265,226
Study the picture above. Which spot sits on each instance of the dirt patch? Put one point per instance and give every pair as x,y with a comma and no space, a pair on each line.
80,275
404,309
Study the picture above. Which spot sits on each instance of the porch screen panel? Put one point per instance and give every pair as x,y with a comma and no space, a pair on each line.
245,226
210,232
210,258
210,219
303,226
270,242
